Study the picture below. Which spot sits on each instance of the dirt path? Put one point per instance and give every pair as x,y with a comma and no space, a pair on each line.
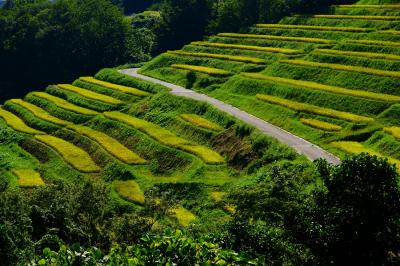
302,146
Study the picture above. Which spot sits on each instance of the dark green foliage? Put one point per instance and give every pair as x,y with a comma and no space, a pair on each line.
116,171
359,212
55,42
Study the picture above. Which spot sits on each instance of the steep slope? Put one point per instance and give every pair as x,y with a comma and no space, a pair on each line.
146,143
332,78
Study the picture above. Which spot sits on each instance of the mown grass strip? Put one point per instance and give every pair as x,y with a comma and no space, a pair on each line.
320,124
28,178
312,109
130,191
388,6
389,18
309,27
16,123
72,154
117,87
248,47
358,54
202,69
243,59
394,131
184,217
373,42
40,113
353,147
277,38
110,144
364,70
323,87
167,138
201,122
64,104
90,94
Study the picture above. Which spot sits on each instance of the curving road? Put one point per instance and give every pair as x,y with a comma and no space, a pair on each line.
302,146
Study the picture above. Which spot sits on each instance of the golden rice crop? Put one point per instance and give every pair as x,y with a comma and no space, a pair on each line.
72,154
395,131
248,47
64,104
117,87
184,217
308,108
373,42
201,122
16,123
357,17
320,124
359,54
370,6
40,113
130,191
243,59
364,70
353,147
110,144
308,27
217,195
167,138
28,178
327,88
277,38
90,94
207,70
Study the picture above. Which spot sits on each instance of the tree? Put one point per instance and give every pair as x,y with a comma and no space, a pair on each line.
359,212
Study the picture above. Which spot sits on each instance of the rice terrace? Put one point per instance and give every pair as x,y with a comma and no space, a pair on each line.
129,138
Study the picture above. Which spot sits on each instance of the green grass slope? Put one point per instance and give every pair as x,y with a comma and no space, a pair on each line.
316,73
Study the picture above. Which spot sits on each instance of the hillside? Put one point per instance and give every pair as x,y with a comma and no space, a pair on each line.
331,78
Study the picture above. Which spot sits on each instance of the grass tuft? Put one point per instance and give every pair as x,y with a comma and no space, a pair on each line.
130,191
117,87
277,38
248,47
320,124
244,59
394,131
202,69
201,122
308,27
184,217
90,94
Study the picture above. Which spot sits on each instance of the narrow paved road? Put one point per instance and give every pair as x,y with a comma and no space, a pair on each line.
302,146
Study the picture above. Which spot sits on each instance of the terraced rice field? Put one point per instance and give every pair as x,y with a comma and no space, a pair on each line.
327,77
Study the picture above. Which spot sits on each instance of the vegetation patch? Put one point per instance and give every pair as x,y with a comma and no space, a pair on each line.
277,38
244,59
120,88
248,47
110,144
28,178
375,42
352,147
365,70
167,138
394,131
16,123
201,122
184,217
359,54
130,191
73,155
388,6
308,108
202,69
320,124
40,113
90,94
309,27
357,17
323,87
64,104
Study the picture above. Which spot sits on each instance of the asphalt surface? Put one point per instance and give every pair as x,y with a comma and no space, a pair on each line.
302,146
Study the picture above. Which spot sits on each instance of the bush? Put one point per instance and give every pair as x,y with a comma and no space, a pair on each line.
116,171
